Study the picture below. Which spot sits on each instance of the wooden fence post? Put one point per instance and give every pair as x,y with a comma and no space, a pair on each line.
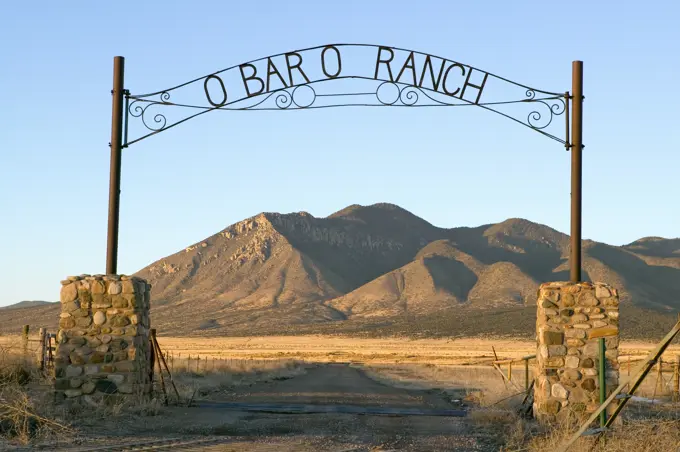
24,342
676,379
526,374
50,355
41,347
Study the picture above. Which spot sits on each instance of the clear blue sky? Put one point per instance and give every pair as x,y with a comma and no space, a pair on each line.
453,167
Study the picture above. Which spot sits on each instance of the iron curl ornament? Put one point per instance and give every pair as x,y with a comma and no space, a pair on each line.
320,77
138,109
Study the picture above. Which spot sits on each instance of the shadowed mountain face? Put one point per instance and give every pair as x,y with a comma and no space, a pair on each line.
369,265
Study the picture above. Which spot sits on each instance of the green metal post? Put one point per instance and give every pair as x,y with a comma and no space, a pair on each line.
603,382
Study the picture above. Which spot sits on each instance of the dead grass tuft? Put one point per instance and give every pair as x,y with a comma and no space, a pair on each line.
14,369
24,416
476,385
658,432
492,417
195,382
23,420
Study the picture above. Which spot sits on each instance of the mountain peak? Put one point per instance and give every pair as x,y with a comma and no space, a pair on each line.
655,246
354,209
525,230
648,239
516,225
384,216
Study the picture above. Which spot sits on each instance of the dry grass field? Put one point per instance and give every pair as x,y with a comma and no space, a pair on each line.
423,363
345,348
435,373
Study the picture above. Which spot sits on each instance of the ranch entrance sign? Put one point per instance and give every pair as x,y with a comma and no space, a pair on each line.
340,75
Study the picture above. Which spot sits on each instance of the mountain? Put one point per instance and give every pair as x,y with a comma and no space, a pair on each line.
27,304
284,266
380,268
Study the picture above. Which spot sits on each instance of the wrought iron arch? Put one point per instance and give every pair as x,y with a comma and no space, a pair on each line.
544,105
321,81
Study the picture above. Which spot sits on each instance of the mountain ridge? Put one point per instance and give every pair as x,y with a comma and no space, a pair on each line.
363,266
27,304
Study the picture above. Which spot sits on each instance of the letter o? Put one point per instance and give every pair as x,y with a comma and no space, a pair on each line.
323,61
207,93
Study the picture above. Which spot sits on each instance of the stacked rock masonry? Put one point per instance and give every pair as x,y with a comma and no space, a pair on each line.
570,320
103,339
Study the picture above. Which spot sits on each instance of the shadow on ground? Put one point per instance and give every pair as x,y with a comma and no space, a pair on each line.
323,384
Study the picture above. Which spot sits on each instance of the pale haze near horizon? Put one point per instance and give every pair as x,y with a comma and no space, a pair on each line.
452,167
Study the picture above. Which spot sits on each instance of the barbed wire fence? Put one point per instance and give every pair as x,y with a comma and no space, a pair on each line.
30,351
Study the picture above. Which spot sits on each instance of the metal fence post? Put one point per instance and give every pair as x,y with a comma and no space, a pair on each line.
603,382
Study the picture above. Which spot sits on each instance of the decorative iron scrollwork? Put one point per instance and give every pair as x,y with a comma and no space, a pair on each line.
299,101
556,108
448,84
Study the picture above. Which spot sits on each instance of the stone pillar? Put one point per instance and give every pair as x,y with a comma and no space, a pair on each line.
570,319
103,338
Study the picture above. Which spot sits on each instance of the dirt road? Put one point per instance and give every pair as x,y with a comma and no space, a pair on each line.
336,384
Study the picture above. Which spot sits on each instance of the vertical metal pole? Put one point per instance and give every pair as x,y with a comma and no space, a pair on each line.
576,168
603,382
114,177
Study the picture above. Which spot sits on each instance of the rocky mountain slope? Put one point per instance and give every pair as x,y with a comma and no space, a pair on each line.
378,265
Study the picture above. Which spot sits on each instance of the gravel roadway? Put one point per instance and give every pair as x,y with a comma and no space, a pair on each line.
222,429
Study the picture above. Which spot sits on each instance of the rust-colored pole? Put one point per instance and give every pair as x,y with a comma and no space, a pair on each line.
576,168
114,177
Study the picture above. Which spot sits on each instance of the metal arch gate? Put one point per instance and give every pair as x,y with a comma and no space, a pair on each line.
289,81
